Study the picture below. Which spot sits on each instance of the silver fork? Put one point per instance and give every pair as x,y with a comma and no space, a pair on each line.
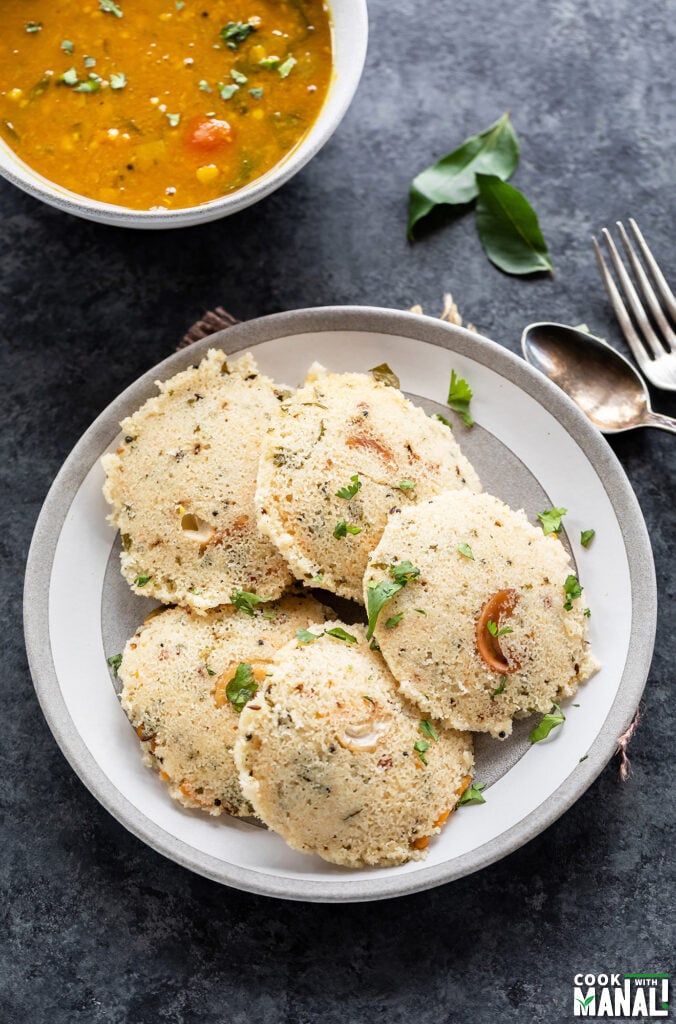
654,352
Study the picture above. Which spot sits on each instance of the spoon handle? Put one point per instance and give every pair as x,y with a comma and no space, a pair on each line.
656,419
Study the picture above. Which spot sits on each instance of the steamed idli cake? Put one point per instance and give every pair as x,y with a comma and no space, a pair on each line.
483,628
182,487
176,670
341,453
334,760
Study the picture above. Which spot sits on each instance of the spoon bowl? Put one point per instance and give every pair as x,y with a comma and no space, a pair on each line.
604,384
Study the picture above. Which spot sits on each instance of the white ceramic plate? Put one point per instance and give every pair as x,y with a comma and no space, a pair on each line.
531,447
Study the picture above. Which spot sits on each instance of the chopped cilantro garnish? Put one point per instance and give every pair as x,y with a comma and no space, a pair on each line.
428,730
586,537
67,46
442,419
174,120
473,794
241,687
492,628
551,720
374,645
572,591
256,93
110,7
69,77
342,529
210,671
385,375
269,63
466,550
118,80
459,397
235,32
204,86
394,620
141,580
194,590
551,519
420,611
406,485
115,660
238,77
227,91
421,747
587,613
341,634
403,572
285,68
350,491
89,62
93,84
179,5
317,580
500,689
306,637
245,601
34,26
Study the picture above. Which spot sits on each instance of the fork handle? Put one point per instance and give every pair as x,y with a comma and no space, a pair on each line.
656,419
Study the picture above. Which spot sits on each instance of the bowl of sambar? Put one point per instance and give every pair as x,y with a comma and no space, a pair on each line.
172,112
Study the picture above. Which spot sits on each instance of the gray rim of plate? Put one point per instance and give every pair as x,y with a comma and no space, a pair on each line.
371,320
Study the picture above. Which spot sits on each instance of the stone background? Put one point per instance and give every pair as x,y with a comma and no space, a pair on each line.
95,926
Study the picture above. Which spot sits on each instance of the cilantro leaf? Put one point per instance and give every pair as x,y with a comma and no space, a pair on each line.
403,572
317,580
110,7
459,396
406,485
141,580
210,671
269,63
586,537
377,595
551,720
342,529
92,85
227,91
500,689
587,613
285,69
385,375
235,32
374,645
551,519
473,795
244,601
306,637
33,26
118,80
67,46
115,660
350,491
466,550
341,634
256,93
428,730
241,687
238,77
572,591
69,77
421,747
442,419
492,628
203,85
174,120
394,620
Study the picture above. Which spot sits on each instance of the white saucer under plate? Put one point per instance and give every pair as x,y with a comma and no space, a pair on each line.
531,447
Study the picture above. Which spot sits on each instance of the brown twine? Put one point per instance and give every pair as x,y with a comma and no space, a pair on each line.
218,319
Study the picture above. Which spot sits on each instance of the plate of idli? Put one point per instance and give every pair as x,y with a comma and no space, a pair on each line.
340,604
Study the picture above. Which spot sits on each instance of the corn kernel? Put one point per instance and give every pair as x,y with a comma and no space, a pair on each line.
15,94
207,173
257,114
256,53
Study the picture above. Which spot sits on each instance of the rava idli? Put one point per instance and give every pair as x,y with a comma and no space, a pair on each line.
477,613
183,689
182,487
334,760
341,453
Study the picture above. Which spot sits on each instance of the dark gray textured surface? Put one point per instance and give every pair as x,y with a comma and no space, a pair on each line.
98,928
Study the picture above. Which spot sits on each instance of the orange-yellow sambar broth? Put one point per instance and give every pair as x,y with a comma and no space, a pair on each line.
161,103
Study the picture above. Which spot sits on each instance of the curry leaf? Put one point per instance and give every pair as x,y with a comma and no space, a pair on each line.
452,180
473,795
508,228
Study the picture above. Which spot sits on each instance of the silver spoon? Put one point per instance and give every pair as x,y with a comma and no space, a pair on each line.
599,379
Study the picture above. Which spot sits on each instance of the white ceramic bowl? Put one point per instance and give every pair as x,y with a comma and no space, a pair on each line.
350,35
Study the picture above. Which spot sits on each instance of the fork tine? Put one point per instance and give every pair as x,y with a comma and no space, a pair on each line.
633,340
632,297
668,335
653,266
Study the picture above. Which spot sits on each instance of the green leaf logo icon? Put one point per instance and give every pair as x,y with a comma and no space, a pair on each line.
585,1002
